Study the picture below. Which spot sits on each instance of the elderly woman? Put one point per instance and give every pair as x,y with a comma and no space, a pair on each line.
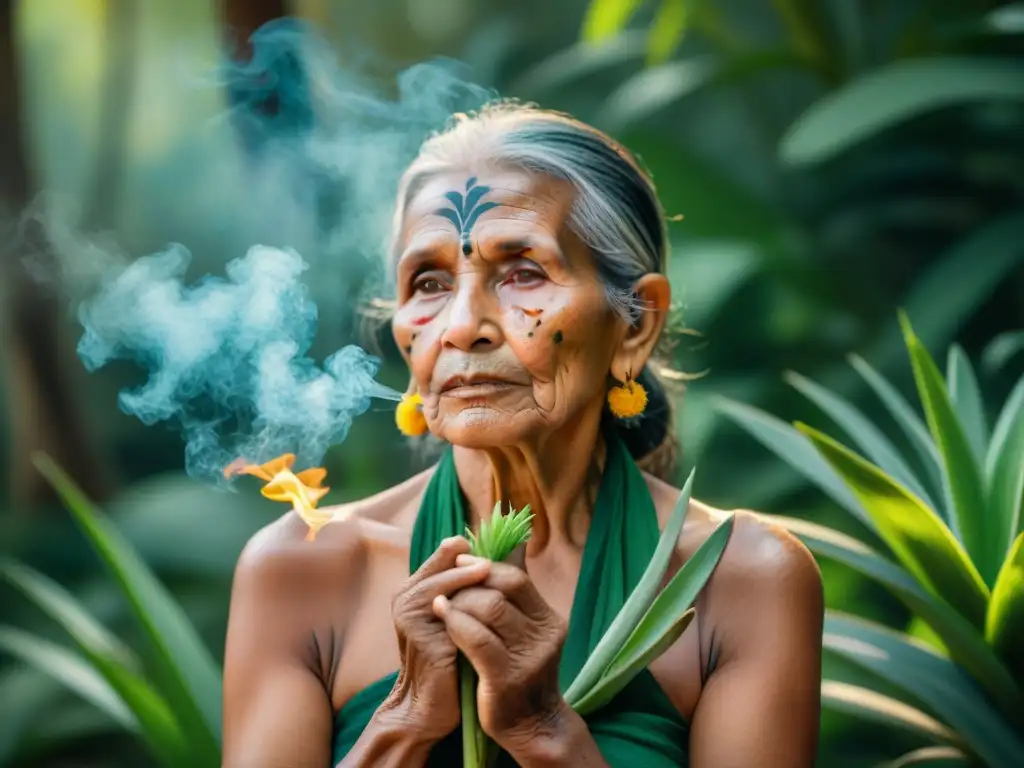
529,252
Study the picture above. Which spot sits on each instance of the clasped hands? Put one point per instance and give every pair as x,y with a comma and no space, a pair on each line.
494,615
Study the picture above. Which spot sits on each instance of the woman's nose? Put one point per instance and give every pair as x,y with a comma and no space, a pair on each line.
472,322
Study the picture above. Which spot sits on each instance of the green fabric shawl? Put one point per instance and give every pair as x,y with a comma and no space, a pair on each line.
640,728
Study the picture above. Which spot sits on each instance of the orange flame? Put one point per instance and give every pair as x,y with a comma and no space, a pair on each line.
303,489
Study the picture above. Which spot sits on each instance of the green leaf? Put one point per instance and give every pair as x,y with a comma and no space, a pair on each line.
186,674
966,644
662,624
886,97
870,439
884,710
1001,350
671,21
918,538
793,448
652,90
1004,627
950,756
939,684
965,395
67,611
69,669
107,656
636,604
605,18
564,68
911,424
1004,470
961,468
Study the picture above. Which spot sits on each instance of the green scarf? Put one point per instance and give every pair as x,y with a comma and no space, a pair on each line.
640,727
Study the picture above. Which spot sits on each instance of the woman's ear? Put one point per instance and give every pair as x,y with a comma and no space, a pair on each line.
654,296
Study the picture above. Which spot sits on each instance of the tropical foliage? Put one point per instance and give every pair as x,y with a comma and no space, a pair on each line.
948,514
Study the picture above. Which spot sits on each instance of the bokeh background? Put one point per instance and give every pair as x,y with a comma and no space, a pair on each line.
833,162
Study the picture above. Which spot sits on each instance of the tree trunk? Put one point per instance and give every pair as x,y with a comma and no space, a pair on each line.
243,17
40,363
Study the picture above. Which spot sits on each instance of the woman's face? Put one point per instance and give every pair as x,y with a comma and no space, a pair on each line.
501,315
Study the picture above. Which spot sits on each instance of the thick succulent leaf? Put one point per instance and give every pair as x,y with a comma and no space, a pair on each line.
919,539
941,686
870,438
184,671
966,644
884,710
965,395
961,467
638,603
1004,628
793,448
1004,469
913,428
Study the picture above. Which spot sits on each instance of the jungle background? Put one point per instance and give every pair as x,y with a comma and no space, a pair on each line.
833,162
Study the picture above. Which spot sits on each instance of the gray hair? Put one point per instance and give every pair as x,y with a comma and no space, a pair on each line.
616,212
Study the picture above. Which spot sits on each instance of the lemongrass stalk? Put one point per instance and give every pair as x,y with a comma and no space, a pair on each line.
637,604
497,539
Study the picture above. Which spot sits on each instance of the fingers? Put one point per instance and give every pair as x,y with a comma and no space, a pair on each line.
494,611
443,558
479,644
515,584
423,592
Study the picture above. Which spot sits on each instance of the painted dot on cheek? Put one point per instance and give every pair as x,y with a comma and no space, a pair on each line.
557,337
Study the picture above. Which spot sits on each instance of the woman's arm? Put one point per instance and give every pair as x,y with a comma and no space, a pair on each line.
761,704
277,709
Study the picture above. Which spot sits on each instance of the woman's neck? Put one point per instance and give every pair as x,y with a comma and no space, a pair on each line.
557,475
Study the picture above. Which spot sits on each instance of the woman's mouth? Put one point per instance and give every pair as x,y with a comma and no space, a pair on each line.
473,386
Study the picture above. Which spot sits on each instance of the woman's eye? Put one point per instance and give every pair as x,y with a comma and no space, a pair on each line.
428,285
524,277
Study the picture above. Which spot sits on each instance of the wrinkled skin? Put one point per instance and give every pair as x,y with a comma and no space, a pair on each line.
512,345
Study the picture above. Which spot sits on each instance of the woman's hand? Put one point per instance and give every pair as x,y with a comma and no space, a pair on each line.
514,640
426,694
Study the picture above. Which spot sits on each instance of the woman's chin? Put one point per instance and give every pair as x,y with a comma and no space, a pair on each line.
480,426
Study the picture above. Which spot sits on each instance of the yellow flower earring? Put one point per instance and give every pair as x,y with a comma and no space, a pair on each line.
409,415
627,400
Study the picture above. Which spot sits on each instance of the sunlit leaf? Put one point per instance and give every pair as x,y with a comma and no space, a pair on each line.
668,29
914,533
793,448
961,467
1004,470
1004,627
893,94
870,439
183,669
965,396
884,710
909,421
940,685
605,18
966,643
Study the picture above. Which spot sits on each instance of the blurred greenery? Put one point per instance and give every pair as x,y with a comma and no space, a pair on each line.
832,161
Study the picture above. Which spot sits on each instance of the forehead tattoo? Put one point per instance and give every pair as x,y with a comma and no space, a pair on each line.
465,209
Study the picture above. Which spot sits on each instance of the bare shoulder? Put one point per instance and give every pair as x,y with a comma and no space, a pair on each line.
279,561
761,558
